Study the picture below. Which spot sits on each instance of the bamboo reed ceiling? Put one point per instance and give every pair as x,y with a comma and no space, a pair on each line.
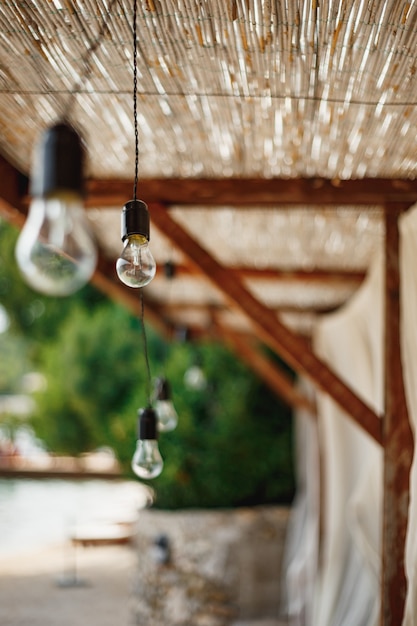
226,87
228,90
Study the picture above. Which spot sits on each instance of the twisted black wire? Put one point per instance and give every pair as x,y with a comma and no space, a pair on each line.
145,349
135,97
135,185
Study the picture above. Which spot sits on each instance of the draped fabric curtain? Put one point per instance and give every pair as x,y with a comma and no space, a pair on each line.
332,577
408,294
343,589
300,561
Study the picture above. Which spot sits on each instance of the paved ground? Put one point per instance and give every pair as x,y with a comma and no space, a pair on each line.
88,586
39,590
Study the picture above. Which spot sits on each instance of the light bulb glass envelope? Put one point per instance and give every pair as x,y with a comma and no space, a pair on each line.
164,407
147,461
136,266
167,415
56,252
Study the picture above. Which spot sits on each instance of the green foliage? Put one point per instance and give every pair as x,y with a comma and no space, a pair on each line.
14,362
93,372
233,443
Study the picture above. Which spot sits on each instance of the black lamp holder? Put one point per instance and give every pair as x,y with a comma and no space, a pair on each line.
147,424
59,162
135,219
162,389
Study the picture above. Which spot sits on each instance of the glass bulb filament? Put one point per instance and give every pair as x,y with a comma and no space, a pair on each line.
136,266
147,462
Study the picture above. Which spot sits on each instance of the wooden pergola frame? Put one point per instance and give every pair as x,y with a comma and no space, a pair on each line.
391,430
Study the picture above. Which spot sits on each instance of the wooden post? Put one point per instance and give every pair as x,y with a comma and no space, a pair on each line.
397,440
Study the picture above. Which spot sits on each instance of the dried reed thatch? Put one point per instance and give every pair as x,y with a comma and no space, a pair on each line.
226,88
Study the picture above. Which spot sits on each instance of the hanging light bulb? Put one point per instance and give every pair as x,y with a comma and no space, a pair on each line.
165,410
55,251
194,378
136,266
147,462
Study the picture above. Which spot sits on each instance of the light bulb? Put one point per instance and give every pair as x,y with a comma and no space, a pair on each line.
147,462
55,251
195,378
136,266
167,415
165,410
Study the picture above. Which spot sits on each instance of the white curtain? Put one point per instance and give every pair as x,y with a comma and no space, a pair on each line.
346,580
351,342
408,259
341,586
301,553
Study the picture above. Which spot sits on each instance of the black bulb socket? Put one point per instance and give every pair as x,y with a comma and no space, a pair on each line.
59,162
162,389
135,219
147,424
169,270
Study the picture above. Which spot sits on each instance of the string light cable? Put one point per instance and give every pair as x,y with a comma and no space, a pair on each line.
136,268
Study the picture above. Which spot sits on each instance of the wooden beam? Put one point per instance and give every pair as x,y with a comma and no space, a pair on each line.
293,349
198,307
250,192
12,184
324,277
328,276
269,372
398,441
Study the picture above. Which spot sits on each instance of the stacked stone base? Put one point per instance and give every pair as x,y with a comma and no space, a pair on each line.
208,568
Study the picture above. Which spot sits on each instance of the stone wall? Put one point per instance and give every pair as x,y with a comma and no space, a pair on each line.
208,568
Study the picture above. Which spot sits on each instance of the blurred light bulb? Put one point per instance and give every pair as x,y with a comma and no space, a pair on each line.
136,266
147,462
165,410
167,415
194,378
55,251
